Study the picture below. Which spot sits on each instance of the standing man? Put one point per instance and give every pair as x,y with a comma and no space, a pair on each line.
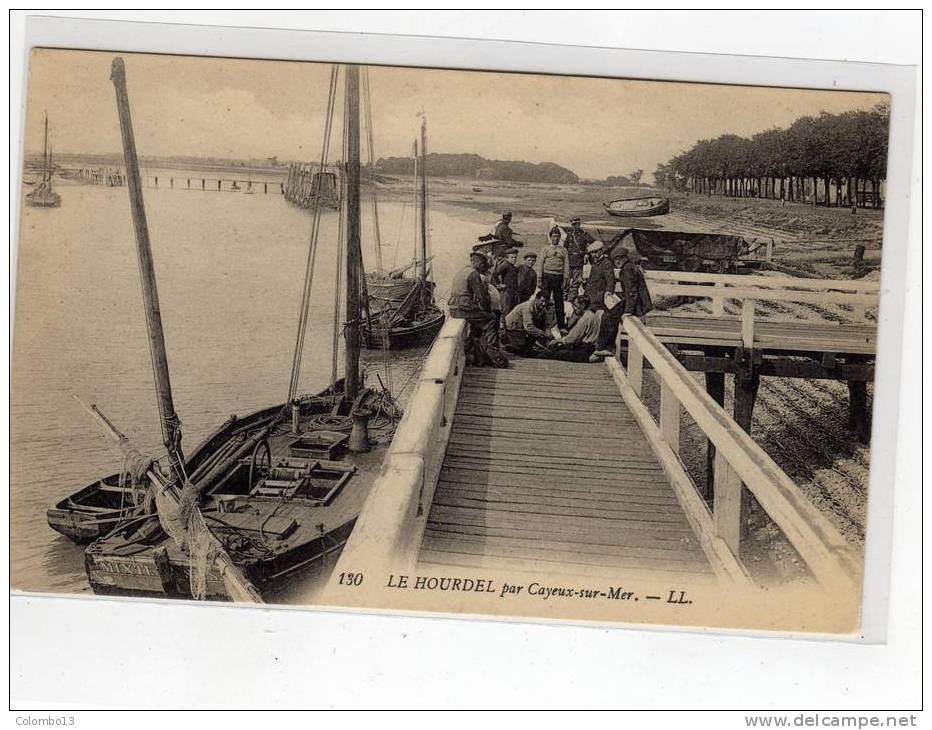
469,300
636,295
505,279
554,269
601,283
577,243
526,277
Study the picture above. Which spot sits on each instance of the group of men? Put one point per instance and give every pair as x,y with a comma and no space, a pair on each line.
503,300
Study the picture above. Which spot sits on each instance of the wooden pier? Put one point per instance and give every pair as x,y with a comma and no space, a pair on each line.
559,468
545,465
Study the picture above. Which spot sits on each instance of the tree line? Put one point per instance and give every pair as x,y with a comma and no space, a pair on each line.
826,160
471,165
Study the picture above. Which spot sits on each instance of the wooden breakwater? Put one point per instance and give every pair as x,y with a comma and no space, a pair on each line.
305,182
111,177
215,185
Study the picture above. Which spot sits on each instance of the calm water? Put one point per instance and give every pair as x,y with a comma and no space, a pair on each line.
230,270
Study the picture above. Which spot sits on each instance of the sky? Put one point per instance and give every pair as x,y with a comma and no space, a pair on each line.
240,108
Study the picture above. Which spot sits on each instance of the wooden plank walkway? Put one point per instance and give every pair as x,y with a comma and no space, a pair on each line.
547,469
801,336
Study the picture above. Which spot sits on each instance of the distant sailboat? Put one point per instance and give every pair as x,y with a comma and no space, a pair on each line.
42,195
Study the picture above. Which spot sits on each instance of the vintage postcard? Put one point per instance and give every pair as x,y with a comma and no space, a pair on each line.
405,339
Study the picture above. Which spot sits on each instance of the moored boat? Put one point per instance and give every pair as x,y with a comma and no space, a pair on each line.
265,496
395,321
638,207
42,195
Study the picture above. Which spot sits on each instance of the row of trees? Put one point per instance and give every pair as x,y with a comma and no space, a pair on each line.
477,167
816,159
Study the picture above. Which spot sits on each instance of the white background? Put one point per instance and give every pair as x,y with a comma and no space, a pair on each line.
72,653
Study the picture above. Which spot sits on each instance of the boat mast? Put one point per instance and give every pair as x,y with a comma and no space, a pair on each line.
422,269
171,425
353,246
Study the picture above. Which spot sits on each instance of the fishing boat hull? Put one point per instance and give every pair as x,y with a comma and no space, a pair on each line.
386,289
404,335
637,207
275,530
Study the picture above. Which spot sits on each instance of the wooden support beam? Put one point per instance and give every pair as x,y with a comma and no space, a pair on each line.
748,307
781,367
670,412
635,368
747,383
729,505
859,419
715,387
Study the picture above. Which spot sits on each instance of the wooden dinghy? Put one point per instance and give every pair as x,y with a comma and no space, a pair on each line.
638,207
96,509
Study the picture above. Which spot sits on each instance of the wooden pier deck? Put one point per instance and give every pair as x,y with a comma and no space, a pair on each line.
547,467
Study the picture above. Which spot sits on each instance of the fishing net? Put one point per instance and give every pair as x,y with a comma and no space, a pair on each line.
185,524
133,474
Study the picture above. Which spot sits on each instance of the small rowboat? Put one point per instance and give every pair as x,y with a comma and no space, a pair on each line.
95,510
638,207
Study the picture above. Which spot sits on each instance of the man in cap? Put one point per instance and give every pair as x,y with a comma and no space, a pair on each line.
505,279
526,277
636,294
577,242
503,230
554,269
469,300
600,289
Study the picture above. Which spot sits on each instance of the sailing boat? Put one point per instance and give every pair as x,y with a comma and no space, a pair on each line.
413,318
42,195
266,496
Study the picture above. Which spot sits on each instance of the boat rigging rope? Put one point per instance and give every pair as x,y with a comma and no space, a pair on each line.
367,102
312,248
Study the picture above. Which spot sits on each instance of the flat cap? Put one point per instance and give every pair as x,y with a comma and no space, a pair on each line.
595,246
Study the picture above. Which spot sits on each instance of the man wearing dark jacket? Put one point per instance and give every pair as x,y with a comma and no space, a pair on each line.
505,279
503,230
577,243
602,282
526,276
469,300
637,296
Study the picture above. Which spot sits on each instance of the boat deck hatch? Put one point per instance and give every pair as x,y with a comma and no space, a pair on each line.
319,444
314,480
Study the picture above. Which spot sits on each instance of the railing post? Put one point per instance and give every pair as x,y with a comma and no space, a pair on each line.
718,300
635,367
670,411
748,307
726,504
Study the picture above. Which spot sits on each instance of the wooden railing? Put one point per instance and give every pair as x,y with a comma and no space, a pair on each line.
738,460
748,290
390,527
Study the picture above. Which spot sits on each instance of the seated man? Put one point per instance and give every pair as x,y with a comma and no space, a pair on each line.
524,326
469,300
580,342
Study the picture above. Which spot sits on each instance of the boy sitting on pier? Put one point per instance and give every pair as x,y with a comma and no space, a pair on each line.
580,342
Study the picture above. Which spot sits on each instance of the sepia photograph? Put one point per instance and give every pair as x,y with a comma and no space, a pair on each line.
410,339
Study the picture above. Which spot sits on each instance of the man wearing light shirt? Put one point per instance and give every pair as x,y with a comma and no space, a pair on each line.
554,269
580,342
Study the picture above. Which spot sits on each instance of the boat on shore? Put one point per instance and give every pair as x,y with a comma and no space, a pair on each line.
638,207
42,195
266,496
